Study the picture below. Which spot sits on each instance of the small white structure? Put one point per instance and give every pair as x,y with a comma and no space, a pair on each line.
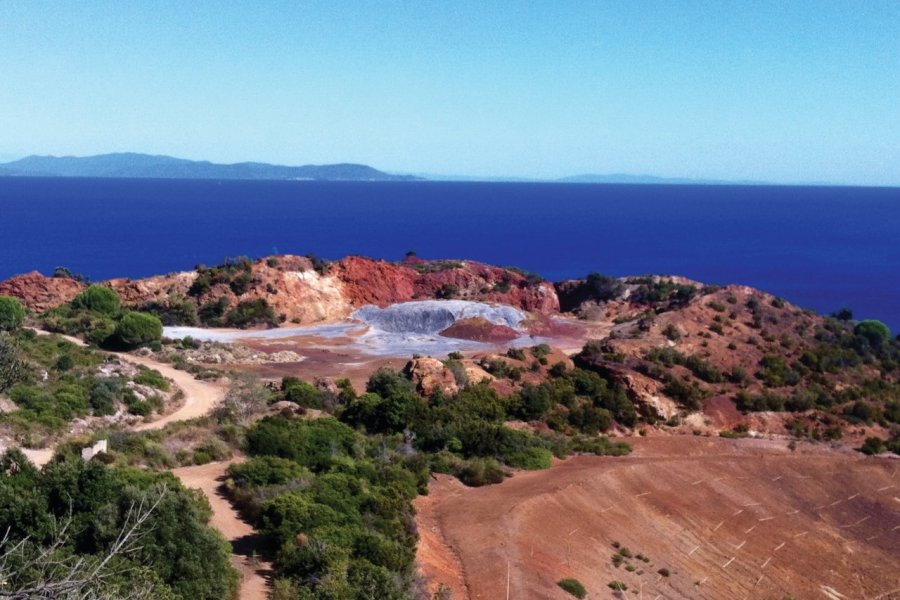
92,451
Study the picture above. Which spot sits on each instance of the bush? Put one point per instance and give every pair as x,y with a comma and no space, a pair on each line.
573,586
212,313
540,351
481,471
671,332
775,371
532,459
98,299
447,291
301,393
251,312
516,354
602,287
176,311
11,368
103,396
876,332
137,329
64,363
873,445
316,444
11,313
153,379
386,382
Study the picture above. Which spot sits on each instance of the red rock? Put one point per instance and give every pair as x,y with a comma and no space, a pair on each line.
39,292
479,329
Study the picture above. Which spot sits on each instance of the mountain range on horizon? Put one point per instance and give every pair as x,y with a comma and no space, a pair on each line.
136,165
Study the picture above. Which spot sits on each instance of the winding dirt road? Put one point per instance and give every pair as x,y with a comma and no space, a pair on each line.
200,397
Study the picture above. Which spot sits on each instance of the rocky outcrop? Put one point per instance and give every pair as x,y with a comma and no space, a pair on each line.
429,374
296,292
39,292
381,283
479,329
648,393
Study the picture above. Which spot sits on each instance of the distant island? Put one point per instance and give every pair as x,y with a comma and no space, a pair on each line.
134,165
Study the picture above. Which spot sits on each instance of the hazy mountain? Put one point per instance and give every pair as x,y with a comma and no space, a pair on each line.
135,165
617,178
649,179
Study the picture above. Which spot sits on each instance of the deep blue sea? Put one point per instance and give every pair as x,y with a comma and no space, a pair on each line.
820,247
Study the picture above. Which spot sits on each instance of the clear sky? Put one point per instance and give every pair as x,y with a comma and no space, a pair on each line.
786,91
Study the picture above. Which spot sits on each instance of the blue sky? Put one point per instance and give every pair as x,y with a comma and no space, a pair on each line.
776,91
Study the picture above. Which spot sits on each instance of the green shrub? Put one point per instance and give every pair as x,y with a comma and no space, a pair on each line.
11,313
152,378
671,332
251,312
481,471
11,367
533,459
301,393
103,396
516,354
316,444
619,586
99,299
213,313
873,445
137,329
540,351
573,586
775,372
176,311
64,363
447,292
875,332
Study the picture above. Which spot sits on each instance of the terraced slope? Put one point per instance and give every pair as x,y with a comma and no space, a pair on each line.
727,519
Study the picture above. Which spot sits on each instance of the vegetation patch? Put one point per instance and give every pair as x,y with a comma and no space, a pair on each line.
573,586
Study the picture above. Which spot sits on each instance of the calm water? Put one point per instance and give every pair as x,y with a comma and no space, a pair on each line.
819,247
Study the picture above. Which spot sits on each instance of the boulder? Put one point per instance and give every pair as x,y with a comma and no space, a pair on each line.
429,374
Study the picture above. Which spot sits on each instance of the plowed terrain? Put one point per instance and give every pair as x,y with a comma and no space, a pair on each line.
727,519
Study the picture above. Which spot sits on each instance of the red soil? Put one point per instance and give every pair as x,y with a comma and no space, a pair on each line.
479,329
728,519
39,292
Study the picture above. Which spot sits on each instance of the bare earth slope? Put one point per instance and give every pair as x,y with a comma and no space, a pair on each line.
728,520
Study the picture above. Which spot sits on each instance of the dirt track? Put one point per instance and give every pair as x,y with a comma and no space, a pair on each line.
244,539
745,519
200,397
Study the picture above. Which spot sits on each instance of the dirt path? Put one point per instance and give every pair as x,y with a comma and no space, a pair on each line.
255,574
200,398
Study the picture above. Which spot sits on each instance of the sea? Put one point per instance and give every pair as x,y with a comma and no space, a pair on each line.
823,248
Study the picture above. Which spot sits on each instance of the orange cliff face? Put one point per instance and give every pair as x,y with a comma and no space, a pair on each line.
39,292
383,283
300,294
